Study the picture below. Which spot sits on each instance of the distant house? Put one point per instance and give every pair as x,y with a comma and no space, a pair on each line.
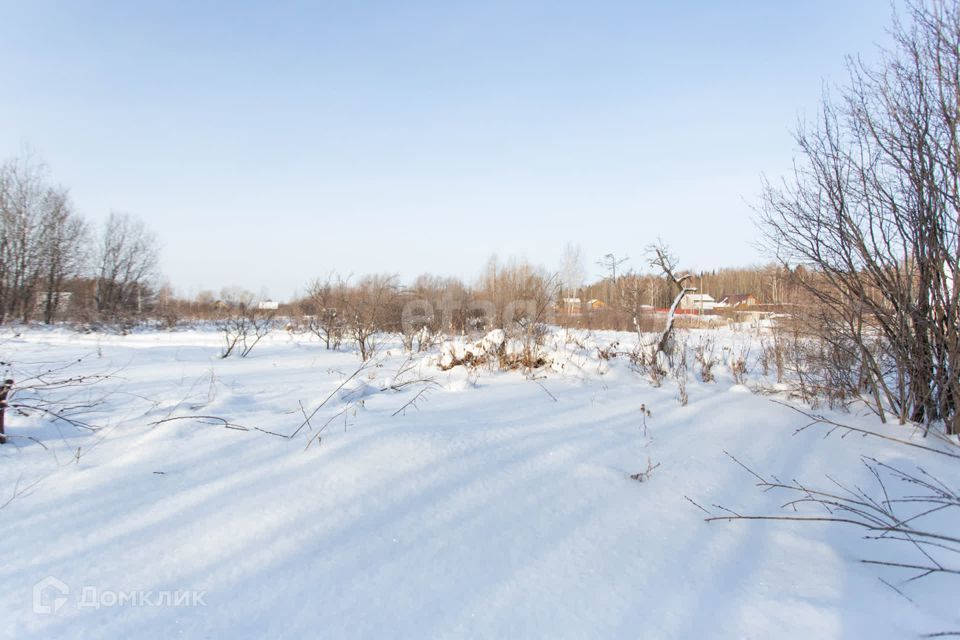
595,305
268,305
572,306
738,300
698,302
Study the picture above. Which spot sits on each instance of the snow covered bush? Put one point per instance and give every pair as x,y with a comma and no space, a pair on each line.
494,350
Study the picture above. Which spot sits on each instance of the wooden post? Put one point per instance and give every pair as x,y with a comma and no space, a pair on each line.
4,390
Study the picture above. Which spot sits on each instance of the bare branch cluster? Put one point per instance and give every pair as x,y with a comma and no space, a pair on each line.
54,392
905,507
872,213
243,323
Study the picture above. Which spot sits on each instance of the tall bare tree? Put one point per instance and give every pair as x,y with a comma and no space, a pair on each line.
572,270
63,252
611,264
42,240
21,212
127,264
873,209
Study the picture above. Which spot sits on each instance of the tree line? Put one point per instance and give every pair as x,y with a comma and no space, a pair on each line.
57,265
54,262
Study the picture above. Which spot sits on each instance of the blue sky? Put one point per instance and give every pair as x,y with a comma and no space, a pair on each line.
268,143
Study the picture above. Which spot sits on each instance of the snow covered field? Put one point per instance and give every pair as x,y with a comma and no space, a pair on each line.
494,506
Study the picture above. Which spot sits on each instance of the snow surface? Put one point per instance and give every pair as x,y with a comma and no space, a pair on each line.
499,506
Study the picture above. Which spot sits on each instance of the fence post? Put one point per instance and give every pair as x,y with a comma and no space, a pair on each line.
4,390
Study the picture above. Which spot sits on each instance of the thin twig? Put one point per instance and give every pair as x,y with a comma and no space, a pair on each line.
411,403
819,419
547,391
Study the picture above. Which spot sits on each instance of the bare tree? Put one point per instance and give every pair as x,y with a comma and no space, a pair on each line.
661,259
41,240
243,323
436,304
22,195
610,264
63,251
873,211
127,264
322,311
572,270
370,307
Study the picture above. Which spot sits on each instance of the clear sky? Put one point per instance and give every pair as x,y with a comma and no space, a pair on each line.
268,143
